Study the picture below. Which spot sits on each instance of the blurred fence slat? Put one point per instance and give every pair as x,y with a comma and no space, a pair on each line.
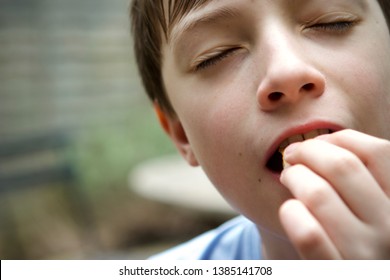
64,65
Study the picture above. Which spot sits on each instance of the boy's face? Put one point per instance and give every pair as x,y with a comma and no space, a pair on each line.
245,75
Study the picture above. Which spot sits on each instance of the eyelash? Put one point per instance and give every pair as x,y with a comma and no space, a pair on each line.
339,26
215,59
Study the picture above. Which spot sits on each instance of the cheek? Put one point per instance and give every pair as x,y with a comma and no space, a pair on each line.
362,86
218,134
218,128
215,115
373,88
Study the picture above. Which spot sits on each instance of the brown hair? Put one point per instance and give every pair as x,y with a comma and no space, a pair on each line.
385,5
153,19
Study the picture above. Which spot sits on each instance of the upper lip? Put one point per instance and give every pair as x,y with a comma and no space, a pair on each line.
299,129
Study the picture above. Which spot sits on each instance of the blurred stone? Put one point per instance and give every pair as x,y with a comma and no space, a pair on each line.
171,180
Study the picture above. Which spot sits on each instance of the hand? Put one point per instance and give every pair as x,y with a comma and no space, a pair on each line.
341,188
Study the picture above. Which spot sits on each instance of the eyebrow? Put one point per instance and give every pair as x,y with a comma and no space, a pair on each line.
220,14
215,16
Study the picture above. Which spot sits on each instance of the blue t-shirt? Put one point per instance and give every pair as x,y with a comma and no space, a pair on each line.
237,239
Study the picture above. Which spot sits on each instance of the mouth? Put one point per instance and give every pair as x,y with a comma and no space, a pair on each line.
275,162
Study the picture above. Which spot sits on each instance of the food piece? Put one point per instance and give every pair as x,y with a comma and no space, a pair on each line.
285,163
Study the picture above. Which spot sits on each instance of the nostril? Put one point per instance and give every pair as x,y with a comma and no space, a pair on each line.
308,87
275,96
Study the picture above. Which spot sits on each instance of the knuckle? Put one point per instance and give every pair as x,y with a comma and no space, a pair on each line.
316,195
308,239
346,163
386,231
364,253
381,147
375,245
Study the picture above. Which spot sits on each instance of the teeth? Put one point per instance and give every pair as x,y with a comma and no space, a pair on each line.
300,137
311,134
323,131
296,138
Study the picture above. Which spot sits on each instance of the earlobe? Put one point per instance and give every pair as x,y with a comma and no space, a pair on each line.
174,128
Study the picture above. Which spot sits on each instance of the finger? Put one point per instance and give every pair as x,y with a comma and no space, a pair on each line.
345,173
324,204
373,152
305,232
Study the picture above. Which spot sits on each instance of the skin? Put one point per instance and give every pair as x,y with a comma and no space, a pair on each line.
244,79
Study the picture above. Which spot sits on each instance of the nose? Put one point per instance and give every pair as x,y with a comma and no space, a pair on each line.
288,78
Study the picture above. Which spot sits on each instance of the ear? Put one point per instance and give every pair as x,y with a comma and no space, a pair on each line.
174,128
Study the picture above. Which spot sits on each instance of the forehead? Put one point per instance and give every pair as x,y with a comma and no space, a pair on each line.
175,10
184,15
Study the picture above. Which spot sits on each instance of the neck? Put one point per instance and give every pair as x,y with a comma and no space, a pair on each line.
275,247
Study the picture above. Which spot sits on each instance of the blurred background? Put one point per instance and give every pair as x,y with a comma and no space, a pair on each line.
74,123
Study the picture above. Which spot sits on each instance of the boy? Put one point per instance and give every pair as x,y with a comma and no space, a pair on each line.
233,82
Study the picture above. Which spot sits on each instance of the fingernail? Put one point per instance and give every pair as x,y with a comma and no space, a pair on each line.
291,148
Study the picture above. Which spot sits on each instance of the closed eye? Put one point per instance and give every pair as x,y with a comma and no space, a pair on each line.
339,26
207,61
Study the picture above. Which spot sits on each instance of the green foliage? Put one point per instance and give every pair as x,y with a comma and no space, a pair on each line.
105,155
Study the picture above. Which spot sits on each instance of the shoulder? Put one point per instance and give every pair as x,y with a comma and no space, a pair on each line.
234,240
